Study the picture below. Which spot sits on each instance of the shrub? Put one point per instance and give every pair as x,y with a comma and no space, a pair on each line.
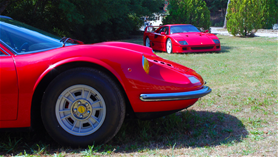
245,16
86,20
193,12
270,13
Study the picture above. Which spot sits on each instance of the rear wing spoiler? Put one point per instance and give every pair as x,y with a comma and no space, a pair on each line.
151,28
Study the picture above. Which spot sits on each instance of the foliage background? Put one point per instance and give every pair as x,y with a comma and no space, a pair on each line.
270,13
246,16
217,10
86,20
95,21
193,12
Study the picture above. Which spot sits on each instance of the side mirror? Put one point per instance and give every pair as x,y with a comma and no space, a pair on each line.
162,33
206,31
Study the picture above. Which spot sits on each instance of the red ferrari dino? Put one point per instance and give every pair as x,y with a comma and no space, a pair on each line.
180,38
82,93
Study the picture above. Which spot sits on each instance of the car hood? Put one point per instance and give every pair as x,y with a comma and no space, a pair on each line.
197,38
148,52
129,46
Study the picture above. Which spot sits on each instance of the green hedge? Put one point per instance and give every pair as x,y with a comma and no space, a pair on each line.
270,13
193,12
246,16
86,20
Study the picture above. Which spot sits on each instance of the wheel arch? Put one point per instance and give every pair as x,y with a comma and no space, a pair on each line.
53,72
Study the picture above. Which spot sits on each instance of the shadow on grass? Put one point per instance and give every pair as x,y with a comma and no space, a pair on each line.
184,129
16,141
225,49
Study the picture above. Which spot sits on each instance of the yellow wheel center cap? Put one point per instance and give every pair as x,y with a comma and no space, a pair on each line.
81,109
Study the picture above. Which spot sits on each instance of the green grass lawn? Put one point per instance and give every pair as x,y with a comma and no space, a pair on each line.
238,118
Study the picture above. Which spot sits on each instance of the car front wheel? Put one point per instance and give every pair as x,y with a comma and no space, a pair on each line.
82,106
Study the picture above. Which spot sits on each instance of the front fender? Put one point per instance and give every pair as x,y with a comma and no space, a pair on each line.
78,59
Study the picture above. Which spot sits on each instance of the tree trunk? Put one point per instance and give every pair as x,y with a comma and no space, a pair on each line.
3,5
225,22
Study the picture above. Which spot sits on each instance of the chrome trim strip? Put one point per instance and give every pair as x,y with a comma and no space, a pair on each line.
176,96
8,47
29,52
37,51
5,52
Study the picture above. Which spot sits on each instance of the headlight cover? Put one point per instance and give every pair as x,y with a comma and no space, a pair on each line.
193,79
145,64
216,41
183,42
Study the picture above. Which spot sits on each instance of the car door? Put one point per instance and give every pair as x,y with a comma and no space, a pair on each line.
159,40
8,86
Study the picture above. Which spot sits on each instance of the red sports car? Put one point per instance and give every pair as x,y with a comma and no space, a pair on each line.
82,93
180,38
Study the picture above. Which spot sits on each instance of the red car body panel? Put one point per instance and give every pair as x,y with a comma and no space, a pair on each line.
27,70
197,41
9,89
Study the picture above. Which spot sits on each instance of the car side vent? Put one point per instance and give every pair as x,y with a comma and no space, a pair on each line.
163,63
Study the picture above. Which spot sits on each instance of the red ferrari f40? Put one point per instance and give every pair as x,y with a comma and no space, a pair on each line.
180,38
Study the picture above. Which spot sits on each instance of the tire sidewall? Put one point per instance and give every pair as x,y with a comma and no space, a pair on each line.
99,82
147,38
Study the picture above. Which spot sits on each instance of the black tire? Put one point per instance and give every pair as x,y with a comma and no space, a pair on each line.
113,102
149,42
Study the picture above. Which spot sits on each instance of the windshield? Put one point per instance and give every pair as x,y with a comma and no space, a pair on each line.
24,38
183,29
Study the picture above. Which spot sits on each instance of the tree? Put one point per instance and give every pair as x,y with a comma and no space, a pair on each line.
3,5
86,20
244,17
193,12
225,21
270,13
216,5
